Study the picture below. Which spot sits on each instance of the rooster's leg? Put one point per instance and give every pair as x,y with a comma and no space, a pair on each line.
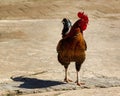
66,75
78,66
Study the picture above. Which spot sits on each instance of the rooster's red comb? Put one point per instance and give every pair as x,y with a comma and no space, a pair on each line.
81,15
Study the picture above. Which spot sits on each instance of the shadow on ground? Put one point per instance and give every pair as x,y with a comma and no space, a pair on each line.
96,82
31,83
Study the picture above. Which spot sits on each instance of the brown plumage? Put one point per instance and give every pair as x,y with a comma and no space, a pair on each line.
71,48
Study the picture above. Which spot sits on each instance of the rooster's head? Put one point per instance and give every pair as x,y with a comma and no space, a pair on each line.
83,20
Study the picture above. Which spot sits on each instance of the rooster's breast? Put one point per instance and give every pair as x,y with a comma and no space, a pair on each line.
71,49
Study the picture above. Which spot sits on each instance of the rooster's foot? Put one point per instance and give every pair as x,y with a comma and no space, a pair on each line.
80,83
67,80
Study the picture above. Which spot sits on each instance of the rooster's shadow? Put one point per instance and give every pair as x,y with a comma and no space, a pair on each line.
31,83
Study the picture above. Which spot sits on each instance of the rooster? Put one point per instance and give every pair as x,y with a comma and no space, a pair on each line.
72,46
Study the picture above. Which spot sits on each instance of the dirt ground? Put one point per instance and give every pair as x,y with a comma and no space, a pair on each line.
29,33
